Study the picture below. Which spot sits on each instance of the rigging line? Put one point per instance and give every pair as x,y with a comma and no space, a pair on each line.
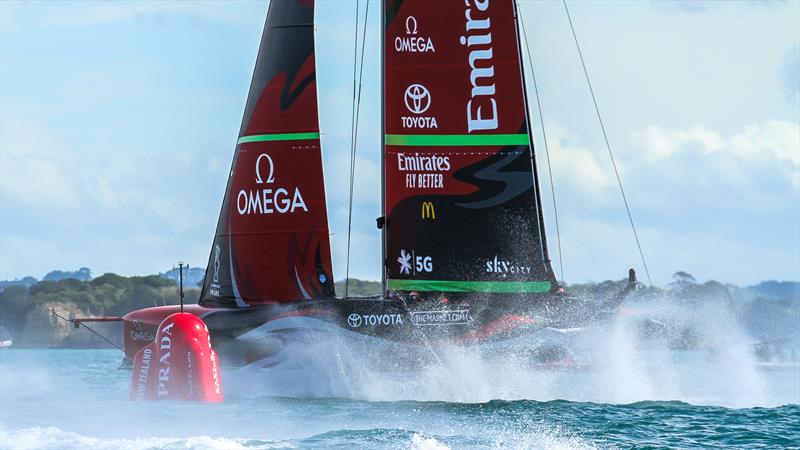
358,103
608,146
53,310
546,149
358,111
528,141
352,155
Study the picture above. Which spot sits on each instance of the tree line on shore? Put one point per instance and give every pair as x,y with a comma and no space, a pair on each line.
109,294
23,310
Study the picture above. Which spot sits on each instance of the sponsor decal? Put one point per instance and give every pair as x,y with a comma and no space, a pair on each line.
420,263
417,99
269,200
215,372
217,251
405,262
214,288
411,25
189,372
428,211
412,42
142,335
144,370
497,265
478,40
423,264
355,320
163,362
455,317
423,171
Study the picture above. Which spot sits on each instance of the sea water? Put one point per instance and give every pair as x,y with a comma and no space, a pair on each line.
631,393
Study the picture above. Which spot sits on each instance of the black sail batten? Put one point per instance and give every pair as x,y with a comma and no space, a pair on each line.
271,243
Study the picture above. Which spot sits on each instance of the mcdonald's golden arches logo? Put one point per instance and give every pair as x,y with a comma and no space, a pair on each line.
428,211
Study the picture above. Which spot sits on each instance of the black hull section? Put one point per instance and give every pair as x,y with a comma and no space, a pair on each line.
411,322
259,333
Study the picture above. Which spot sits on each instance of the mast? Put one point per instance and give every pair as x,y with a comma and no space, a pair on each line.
534,168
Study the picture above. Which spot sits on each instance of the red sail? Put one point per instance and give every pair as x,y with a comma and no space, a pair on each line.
461,201
272,241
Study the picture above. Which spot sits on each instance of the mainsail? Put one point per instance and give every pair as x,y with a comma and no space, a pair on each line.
272,242
461,199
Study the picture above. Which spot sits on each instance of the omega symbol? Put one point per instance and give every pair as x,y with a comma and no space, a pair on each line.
271,167
411,25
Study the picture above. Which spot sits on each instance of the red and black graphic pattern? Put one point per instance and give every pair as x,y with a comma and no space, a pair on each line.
461,199
272,240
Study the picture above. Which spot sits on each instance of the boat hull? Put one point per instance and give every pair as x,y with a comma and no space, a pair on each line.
245,335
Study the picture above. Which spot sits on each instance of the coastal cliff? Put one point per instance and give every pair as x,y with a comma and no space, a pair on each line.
27,312
43,329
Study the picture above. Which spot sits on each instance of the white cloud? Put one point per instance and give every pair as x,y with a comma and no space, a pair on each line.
137,205
582,170
123,212
773,139
717,204
35,169
659,144
730,159
790,74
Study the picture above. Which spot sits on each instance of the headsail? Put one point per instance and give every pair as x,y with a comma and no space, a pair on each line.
272,242
462,207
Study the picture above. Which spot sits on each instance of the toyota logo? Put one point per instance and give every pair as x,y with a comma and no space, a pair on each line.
417,98
354,320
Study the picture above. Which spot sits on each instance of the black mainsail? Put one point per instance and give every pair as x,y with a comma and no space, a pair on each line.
463,213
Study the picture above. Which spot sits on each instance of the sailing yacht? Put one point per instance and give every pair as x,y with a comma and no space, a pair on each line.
465,257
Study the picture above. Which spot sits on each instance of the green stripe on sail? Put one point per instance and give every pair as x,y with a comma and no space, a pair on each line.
470,286
277,137
442,140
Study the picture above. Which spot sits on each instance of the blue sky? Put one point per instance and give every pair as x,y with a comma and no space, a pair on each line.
118,121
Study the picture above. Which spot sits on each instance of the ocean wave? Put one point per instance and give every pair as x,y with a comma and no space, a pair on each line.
47,438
